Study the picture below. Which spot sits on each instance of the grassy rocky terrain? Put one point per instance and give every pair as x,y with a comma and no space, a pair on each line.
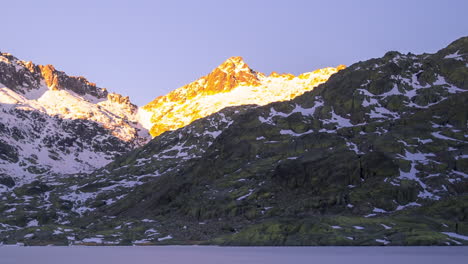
377,155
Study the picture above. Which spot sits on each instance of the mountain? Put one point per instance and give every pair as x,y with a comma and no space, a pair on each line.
52,123
376,155
231,83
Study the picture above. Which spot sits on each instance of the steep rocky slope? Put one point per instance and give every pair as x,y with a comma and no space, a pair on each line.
230,84
377,155
54,123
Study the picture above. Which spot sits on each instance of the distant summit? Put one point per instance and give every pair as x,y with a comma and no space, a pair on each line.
55,123
232,83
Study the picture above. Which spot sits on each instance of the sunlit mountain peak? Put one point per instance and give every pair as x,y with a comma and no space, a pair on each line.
232,83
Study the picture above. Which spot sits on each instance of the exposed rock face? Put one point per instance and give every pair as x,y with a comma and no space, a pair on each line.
18,75
22,76
52,123
117,98
230,74
59,80
231,83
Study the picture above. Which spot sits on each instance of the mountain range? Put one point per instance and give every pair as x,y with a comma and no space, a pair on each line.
371,154
53,123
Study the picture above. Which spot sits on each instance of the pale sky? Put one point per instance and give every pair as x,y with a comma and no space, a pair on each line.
147,48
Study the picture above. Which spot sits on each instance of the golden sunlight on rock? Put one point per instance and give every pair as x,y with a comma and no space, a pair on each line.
230,84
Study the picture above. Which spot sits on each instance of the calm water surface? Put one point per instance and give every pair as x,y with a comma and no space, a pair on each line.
231,255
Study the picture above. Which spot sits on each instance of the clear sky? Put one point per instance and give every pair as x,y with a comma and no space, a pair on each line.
147,48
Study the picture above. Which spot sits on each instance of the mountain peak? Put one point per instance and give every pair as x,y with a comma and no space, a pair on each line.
232,83
234,65
235,60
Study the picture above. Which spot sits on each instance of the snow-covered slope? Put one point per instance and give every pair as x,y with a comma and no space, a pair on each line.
232,83
54,123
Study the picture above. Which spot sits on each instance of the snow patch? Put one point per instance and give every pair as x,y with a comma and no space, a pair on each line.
386,226
245,196
440,136
32,223
383,241
97,240
455,56
455,235
401,207
294,134
165,238
339,120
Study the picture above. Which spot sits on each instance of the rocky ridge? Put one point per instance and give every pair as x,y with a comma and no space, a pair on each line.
230,84
52,123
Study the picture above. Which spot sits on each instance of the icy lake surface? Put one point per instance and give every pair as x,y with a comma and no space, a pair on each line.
231,255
